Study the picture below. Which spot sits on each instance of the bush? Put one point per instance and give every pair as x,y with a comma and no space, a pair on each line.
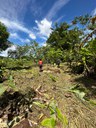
2,63
1,75
78,68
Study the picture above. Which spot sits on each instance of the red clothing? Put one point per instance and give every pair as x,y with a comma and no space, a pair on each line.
40,62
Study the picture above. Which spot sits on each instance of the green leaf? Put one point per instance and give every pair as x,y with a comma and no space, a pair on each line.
11,82
39,104
2,89
61,117
59,114
52,107
52,78
79,94
10,78
49,122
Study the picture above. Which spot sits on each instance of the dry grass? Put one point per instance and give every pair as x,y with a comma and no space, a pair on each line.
80,113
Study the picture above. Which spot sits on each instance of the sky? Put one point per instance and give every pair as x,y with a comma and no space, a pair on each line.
28,20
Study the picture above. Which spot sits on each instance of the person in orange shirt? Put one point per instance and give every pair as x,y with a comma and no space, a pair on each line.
40,65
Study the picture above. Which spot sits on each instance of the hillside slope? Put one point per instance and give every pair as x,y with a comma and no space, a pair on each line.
71,94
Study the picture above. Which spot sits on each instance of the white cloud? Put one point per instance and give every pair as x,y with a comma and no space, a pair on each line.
13,47
55,8
32,36
12,14
36,7
14,35
59,19
12,25
44,27
94,12
13,9
17,37
44,38
5,53
44,44
27,41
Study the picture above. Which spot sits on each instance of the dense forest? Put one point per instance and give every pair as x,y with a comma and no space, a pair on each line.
74,44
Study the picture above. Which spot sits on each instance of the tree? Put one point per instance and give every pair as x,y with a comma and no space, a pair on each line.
77,42
12,54
3,37
52,55
58,38
3,43
34,50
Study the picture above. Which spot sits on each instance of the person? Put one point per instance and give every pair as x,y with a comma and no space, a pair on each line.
40,65
58,63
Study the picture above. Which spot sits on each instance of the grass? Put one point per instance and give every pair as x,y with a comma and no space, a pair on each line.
56,86
2,89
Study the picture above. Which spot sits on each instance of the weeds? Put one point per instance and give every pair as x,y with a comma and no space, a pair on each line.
53,78
79,92
56,117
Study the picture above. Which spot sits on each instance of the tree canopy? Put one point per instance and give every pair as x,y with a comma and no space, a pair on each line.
4,34
75,41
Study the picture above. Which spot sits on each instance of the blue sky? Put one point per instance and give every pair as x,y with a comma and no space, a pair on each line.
29,20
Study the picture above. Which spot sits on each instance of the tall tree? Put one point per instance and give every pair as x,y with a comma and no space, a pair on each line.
3,37
76,40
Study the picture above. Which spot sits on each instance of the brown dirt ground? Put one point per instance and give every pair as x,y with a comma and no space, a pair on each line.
56,83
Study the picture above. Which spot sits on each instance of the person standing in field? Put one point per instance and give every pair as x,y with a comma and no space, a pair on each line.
40,65
58,63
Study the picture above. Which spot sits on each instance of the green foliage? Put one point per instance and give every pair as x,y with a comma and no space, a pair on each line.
12,54
2,89
82,20
1,75
52,78
39,104
64,38
3,37
2,65
49,123
52,55
11,82
55,116
79,92
10,63
19,52
93,102
54,110
19,62
74,42
61,117
52,107
31,51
